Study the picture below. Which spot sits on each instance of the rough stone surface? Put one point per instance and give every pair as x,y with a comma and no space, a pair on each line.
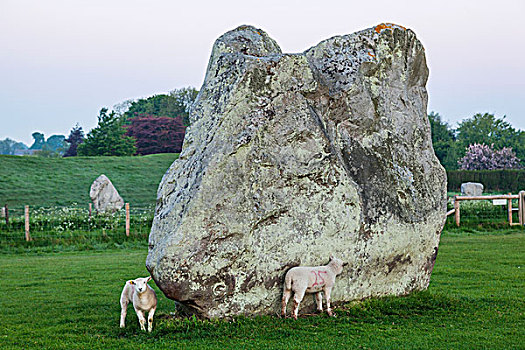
293,157
471,189
105,196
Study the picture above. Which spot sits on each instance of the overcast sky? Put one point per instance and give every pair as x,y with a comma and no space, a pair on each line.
63,60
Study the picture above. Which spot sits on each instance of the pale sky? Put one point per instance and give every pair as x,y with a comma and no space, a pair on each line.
61,61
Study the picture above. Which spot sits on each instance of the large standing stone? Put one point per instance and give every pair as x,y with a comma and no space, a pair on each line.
105,196
293,157
471,189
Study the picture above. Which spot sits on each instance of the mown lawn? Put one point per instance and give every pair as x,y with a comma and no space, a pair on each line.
69,300
44,182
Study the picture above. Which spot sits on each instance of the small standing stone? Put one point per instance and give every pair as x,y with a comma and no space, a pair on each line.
105,196
471,189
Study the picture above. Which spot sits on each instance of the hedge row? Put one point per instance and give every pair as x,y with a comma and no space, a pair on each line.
492,180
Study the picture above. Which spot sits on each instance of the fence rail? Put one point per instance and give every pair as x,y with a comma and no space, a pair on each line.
54,223
76,225
507,200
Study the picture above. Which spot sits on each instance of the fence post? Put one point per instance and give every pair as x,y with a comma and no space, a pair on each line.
28,236
456,208
127,219
509,209
6,215
89,206
521,208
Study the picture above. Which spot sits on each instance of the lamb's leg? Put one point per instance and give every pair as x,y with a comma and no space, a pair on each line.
124,305
142,319
297,298
319,300
286,296
327,292
150,319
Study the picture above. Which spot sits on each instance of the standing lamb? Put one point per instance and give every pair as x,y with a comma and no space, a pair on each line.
304,279
143,298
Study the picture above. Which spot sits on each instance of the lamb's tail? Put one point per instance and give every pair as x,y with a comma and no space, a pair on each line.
288,281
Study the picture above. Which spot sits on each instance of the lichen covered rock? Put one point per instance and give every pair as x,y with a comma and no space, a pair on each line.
105,196
293,157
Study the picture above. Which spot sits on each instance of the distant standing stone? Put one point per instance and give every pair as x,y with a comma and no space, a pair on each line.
105,196
471,189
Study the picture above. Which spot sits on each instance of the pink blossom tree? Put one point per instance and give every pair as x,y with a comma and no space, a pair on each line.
484,157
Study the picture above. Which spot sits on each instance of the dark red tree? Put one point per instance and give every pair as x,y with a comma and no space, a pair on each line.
75,138
157,134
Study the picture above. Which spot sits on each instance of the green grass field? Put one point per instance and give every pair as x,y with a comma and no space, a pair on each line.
61,290
44,182
70,300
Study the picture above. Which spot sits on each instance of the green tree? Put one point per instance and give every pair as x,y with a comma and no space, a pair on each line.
122,107
158,105
56,143
490,130
53,147
444,141
185,97
107,138
9,146
176,103
39,140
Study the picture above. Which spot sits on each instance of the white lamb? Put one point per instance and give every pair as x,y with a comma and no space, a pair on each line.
305,279
143,298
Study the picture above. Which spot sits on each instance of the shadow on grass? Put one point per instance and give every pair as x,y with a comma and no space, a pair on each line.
373,312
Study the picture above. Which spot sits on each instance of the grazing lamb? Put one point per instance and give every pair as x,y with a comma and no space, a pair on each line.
143,298
303,279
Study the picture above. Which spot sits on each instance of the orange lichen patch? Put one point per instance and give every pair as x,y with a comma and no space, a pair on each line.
390,26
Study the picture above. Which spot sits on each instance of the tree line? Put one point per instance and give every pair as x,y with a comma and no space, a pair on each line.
478,143
151,125
144,126
157,124
54,146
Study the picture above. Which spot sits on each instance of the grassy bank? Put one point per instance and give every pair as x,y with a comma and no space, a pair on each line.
70,300
39,181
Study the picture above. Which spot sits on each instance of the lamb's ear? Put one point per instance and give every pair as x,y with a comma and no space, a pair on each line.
149,279
331,257
131,282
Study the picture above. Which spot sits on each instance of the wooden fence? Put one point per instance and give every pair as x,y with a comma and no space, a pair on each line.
28,238
456,211
507,197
